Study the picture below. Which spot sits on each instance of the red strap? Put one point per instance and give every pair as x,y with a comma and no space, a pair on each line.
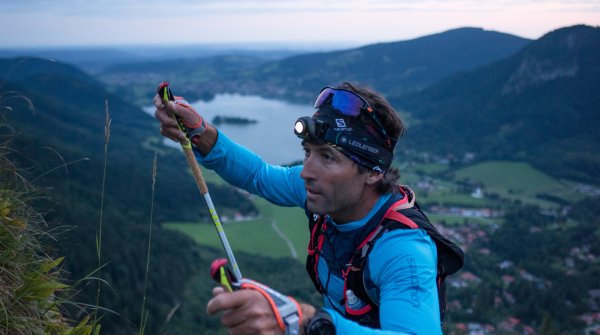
399,217
393,214
272,303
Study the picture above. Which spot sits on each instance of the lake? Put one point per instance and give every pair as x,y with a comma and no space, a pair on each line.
272,137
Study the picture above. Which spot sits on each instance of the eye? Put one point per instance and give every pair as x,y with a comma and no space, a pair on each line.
306,152
327,156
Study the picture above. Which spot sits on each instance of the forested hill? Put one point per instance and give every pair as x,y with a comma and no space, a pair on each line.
541,105
67,114
392,68
58,116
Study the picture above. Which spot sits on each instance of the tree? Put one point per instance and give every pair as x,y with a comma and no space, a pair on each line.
547,327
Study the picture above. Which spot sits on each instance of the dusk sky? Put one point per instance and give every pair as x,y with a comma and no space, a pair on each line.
123,22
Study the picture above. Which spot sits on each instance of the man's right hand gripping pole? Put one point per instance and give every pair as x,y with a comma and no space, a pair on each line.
252,308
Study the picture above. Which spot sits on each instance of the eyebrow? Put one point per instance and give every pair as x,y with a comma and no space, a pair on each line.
321,148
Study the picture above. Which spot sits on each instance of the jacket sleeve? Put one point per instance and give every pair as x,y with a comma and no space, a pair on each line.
402,265
245,169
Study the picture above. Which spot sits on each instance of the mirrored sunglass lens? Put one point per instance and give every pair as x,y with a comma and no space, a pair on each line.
347,103
323,96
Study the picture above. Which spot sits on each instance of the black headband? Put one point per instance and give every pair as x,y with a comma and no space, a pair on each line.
354,138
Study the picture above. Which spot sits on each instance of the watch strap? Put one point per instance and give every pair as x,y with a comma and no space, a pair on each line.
320,324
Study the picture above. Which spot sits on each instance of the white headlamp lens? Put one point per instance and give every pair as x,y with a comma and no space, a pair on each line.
299,127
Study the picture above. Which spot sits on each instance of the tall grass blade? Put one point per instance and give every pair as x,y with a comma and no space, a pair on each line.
144,313
99,234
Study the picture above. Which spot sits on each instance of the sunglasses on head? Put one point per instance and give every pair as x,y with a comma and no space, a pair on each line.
348,103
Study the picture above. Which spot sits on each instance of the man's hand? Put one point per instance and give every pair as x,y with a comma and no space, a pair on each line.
244,312
168,126
195,124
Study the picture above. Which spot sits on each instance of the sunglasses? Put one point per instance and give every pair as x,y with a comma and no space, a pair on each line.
348,103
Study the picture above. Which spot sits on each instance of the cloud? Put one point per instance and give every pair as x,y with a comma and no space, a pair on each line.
137,8
76,22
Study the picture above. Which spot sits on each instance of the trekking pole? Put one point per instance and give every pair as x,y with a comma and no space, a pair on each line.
166,95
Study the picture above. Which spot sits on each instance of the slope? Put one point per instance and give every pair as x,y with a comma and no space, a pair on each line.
394,67
540,105
58,114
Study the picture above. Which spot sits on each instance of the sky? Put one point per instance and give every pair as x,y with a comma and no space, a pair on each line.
58,23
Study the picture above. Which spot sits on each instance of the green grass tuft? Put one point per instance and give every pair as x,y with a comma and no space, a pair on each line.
32,289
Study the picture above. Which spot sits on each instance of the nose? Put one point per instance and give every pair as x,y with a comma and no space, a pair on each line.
308,171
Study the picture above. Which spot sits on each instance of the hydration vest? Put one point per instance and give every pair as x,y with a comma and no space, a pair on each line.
403,213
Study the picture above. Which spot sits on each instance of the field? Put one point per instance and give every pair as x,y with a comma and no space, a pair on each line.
518,181
510,180
507,180
256,235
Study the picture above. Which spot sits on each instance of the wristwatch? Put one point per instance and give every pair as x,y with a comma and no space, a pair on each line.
320,324
194,134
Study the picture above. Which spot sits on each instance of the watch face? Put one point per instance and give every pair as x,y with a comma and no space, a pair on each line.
321,327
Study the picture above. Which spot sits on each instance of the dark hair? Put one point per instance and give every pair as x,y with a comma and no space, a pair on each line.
391,122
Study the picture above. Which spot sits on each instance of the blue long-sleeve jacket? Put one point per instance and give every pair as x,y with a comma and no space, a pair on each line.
401,267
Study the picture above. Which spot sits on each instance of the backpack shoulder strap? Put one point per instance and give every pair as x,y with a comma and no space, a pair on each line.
317,230
406,214
394,213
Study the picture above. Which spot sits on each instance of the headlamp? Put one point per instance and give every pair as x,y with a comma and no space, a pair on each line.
310,129
300,128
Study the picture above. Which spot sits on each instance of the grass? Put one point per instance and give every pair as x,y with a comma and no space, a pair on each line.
429,168
448,197
450,220
144,313
501,176
257,235
107,122
515,180
32,289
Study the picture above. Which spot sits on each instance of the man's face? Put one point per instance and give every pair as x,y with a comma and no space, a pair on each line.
333,184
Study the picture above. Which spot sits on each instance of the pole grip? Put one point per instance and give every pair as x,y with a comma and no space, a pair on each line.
166,95
191,159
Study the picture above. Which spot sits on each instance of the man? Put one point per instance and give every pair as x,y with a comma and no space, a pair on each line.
376,275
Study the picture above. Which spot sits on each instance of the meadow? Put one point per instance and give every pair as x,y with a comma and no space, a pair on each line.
511,181
255,235
500,181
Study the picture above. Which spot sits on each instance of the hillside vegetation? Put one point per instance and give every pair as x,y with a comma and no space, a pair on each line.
540,105
34,294
60,123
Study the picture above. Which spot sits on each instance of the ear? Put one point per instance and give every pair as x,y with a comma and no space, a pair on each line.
374,177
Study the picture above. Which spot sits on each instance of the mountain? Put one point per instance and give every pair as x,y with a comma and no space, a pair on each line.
96,59
541,105
55,114
392,68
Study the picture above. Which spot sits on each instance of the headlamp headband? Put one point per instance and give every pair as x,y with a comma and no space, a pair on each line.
337,122
348,103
